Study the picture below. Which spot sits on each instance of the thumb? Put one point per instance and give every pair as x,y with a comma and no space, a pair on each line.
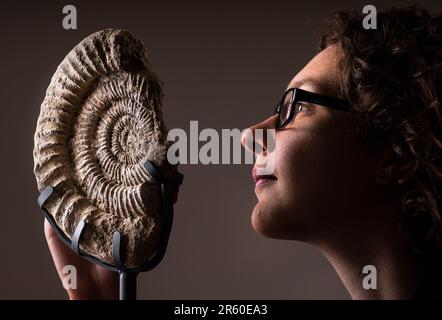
62,255
94,282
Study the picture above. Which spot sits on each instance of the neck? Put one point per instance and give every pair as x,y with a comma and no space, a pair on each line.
397,269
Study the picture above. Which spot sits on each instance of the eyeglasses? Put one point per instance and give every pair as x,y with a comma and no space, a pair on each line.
289,107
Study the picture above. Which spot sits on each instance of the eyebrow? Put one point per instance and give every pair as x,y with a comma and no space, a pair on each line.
307,81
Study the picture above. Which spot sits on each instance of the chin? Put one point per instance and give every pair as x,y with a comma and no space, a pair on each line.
266,222
272,223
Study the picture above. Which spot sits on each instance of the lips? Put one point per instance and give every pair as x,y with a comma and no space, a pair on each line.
262,179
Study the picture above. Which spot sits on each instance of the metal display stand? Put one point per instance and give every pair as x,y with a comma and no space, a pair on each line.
128,277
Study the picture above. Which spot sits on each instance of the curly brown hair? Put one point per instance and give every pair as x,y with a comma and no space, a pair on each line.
392,76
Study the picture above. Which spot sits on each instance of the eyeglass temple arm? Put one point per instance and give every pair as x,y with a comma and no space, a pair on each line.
316,98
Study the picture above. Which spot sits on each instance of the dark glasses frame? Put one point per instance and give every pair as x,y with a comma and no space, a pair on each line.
310,97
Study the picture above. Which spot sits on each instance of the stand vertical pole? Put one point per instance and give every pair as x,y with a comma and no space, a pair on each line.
128,285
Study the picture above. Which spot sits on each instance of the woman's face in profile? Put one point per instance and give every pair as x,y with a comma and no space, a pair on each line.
324,171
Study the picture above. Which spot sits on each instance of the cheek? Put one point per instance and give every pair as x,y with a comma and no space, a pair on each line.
318,171
292,162
325,172
322,176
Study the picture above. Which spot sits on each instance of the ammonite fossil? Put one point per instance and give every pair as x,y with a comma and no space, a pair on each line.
100,120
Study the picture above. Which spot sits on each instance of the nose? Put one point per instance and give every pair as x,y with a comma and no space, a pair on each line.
255,140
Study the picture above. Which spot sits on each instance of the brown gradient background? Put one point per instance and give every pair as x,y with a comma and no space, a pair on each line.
223,64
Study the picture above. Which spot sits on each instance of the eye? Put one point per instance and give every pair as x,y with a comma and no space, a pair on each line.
303,107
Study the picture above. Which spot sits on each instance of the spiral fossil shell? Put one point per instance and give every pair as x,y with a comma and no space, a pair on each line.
100,120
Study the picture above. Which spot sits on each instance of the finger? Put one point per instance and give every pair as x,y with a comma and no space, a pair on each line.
108,281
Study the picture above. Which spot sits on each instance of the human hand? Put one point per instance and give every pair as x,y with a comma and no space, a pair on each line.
93,281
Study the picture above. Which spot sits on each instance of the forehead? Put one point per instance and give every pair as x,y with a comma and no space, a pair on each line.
321,75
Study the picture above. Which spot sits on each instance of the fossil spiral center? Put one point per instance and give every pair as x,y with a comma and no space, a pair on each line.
128,138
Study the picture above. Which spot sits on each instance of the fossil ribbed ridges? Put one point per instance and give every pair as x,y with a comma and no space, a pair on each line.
100,120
